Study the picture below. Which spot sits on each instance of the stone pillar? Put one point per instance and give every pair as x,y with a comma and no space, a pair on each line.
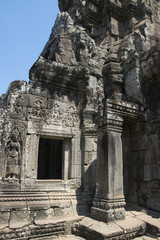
66,157
109,199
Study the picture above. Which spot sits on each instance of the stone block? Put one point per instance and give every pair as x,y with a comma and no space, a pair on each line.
132,86
59,212
143,172
64,203
152,224
19,219
107,215
4,219
92,82
42,215
157,205
139,143
90,144
114,29
38,204
98,73
92,229
78,170
155,170
90,157
130,225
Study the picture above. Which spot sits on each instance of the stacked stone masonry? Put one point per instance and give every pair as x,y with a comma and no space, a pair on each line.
82,138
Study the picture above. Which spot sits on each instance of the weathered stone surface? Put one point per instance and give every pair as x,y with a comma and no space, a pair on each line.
122,229
92,229
4,219
146,237
20,219
83,135
132,226
69,237
153,224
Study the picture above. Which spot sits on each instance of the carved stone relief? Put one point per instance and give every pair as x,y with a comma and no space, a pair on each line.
13,157
60,111
63,116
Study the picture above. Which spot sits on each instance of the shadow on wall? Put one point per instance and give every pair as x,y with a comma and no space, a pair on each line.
85,193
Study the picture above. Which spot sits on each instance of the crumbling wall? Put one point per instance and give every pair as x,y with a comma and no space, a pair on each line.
100,64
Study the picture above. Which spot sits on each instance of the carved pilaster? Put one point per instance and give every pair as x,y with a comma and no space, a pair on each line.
109,200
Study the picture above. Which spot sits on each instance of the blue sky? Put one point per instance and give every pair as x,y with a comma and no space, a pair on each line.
25,27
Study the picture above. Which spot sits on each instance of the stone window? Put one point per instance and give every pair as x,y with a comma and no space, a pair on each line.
51,159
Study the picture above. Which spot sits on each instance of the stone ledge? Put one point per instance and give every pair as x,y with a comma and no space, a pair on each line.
146,237
68,237
152,224
122,229
61,237
149,217
40,230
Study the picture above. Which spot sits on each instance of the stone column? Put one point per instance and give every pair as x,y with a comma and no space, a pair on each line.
109,199
66,158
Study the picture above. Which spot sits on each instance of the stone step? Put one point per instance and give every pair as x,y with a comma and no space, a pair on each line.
150,218
152,224
146,237
61,237
68,237
123,229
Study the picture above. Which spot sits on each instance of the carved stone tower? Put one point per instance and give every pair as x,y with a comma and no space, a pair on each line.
82,137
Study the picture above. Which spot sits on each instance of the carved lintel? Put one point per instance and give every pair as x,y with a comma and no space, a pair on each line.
123,108
116,111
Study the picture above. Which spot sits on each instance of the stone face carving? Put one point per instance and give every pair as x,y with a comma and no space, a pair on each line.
13,156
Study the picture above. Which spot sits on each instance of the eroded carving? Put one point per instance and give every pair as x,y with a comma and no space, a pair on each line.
97,77
68,118
13,156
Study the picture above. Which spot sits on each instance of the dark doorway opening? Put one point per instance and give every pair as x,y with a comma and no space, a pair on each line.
129,178
50,159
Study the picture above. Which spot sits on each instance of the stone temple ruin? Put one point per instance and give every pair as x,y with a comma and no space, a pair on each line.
80,143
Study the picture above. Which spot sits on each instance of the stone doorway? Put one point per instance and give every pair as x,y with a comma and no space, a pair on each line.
129,164
135,168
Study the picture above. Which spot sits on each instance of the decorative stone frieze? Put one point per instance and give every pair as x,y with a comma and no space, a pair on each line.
83,135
